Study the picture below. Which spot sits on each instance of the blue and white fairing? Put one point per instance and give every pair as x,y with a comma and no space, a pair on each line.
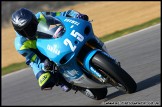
64,49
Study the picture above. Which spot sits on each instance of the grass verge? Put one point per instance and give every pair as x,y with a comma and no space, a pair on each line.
13,67
130,30
18,66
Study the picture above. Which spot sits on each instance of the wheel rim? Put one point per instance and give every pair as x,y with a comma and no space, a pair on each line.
116,84
113,82
121,87
88,93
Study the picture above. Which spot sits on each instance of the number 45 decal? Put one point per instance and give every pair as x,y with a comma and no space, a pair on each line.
76,35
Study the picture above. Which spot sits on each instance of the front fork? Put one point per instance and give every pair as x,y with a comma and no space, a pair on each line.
90,69
91,48
95,45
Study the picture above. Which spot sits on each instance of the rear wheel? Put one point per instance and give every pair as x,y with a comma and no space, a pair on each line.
116,76
97,94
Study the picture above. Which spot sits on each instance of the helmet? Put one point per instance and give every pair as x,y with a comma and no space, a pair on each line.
25,23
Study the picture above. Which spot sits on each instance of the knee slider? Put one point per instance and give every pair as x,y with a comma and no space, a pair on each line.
46,80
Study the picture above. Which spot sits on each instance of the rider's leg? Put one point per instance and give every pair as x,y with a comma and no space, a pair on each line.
63,83
59,79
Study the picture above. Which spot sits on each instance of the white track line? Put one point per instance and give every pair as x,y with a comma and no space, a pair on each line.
14,73
133,33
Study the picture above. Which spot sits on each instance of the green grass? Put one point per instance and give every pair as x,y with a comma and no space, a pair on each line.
13,67
18,66
130,30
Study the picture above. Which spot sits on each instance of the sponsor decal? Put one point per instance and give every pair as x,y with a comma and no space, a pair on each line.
81,78
72,72
95,72
43,78
72,21
53,49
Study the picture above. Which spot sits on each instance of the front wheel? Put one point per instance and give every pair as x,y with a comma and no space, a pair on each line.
97,94
117,76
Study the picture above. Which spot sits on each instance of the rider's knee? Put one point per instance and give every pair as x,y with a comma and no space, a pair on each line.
46,80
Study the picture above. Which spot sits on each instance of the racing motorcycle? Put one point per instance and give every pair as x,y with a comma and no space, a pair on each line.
71,44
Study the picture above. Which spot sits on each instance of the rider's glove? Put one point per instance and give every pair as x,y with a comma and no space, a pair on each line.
48,65
82,16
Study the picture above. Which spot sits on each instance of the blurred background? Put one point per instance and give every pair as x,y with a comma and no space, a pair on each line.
9,7
107,16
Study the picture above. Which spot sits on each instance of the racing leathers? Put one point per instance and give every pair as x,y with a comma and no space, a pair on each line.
37,61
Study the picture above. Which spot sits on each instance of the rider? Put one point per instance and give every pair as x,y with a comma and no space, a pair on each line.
25,24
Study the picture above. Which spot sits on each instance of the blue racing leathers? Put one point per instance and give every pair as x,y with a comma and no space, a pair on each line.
28,49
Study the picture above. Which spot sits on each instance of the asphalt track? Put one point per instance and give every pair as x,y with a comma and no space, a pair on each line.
139,54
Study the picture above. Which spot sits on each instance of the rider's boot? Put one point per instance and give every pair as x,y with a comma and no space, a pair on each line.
63,84
65,87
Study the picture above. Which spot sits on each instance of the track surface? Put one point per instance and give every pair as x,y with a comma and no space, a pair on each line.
139,54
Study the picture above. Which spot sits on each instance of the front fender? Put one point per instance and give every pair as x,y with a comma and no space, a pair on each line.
87,64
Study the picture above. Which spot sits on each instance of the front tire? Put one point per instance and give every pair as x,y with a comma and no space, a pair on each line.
102,62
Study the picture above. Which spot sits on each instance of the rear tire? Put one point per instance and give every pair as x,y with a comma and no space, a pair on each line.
96,94
118,74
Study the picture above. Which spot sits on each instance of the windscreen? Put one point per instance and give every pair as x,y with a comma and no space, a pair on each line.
50,27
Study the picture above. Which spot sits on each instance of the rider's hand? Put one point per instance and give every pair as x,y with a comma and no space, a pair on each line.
48,65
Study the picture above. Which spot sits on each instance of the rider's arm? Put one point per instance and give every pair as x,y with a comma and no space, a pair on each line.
25,48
